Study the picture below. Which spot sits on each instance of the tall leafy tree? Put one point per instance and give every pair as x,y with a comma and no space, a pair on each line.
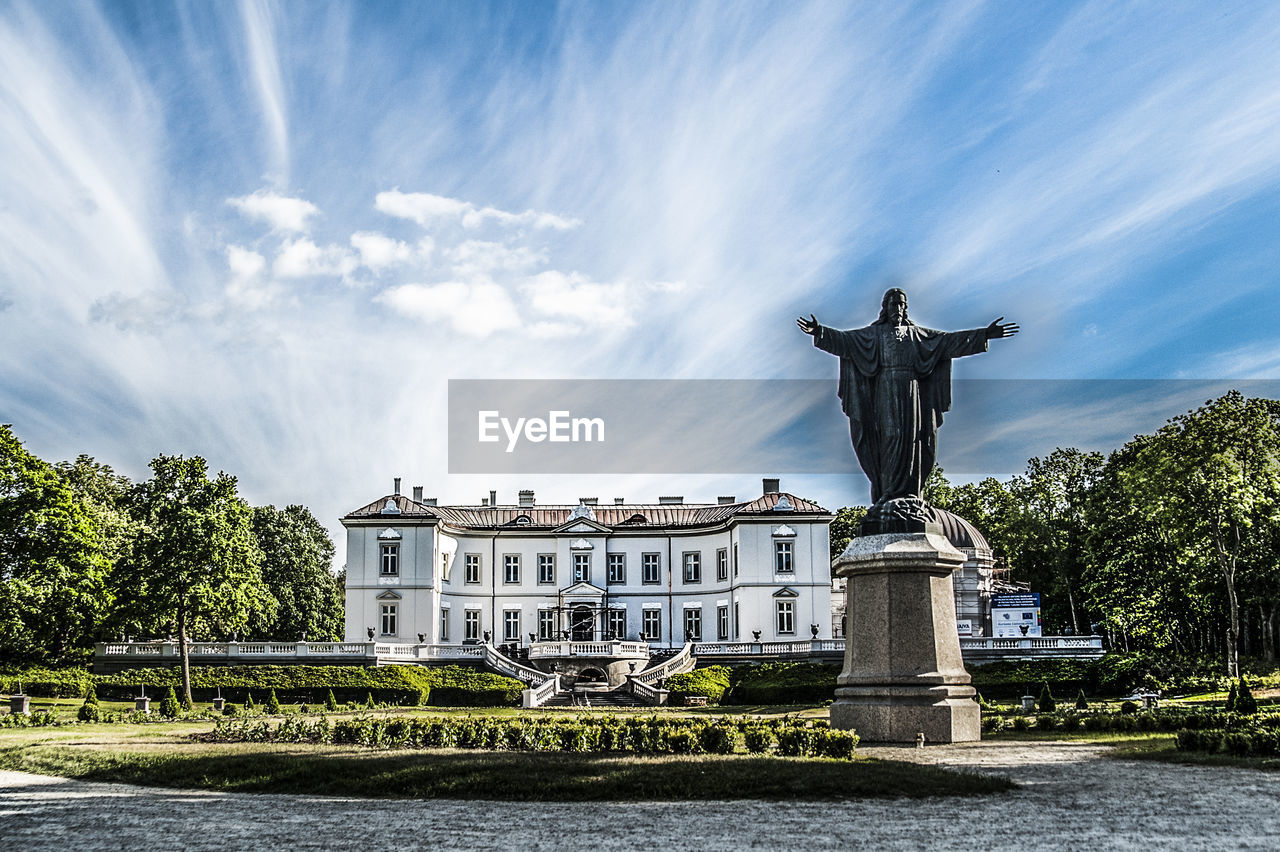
1051,499
1214,474
52,567
296,567
196,564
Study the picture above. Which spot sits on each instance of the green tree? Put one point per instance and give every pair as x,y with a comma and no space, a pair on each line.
1051,499
53,592
1214,474
844,527
296,567
196,563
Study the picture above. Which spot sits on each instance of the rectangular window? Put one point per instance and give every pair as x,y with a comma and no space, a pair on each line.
511,625
652,627
389,619
444,567
722,623
472,566
722,564
693,625
617,624
582,567
651,569
511,568
782,557
390,560
546,624
786,617
737,625
735,559
546,569
693,567
444,625
617,569
471,624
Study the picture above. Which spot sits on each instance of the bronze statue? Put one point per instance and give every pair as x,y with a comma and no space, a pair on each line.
895,385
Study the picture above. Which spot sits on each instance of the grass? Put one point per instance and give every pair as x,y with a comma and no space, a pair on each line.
167,756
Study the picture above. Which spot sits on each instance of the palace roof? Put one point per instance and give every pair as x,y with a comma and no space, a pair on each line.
614,516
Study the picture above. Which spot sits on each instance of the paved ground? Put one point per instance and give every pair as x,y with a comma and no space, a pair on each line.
1070,798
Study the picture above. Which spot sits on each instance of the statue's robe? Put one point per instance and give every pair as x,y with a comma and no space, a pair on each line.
895,385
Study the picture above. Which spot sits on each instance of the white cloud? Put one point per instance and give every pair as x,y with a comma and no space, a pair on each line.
425,208
283,214
575,297
477,309
149,312
260,44
301,258
475,256
378,251
247,287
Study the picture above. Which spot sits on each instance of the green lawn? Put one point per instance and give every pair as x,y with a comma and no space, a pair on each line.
167,755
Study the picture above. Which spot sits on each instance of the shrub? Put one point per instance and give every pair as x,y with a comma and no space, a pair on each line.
1020,723
169,707
1046,703
248,703
758,739
1070,722
368,701
89,711
837,744
795,741
330,703
1246,704
303,708
273,704
717,739
1231,698
711,682
1082,703
1046,722
230,709
783,683
1128,708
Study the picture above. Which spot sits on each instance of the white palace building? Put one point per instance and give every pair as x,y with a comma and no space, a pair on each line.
665,573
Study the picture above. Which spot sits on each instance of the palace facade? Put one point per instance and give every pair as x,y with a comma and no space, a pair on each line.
662,573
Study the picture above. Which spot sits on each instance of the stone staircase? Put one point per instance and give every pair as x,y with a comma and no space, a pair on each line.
612,699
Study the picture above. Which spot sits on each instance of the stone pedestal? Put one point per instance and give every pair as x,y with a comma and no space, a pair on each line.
903,674
219,704
142,705
20,704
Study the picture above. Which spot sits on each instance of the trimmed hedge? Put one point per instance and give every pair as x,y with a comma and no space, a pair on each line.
446,686
783,683
711,682
598,734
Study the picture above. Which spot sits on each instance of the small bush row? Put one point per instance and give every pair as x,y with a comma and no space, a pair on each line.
605,734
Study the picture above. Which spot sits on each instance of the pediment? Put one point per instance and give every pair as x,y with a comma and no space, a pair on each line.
786,592
389,596
582,526
389,535
783,531
582,590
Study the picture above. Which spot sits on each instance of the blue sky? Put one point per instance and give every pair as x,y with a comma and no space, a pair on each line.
269,233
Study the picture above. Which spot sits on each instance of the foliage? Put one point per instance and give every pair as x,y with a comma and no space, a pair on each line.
711,682
592,734
1082,703
845,526
90,710
196,560
783,683
297,555
1246,704
169,705
330,703
1046,703
1232,697
53,560
273,704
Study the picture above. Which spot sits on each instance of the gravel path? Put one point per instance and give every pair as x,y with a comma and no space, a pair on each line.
1070,798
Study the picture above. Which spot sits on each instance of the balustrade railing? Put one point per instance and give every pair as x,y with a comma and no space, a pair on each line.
536,696
650,695
618,649
509,667
681,662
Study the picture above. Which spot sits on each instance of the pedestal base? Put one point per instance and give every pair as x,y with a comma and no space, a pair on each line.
899,714
903,674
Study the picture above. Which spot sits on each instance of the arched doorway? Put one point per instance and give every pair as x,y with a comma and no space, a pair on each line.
582,623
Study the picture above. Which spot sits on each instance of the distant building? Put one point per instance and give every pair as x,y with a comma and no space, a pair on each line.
665,572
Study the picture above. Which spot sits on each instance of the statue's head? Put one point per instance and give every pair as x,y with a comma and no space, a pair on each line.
893,307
